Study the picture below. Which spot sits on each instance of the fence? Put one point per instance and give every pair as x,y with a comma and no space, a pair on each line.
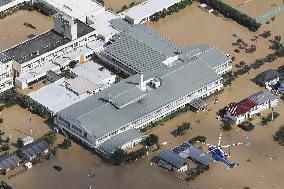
270,14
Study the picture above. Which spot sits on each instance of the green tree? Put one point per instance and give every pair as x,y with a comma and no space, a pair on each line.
66,143
119,156
182,128
151,140
50,137
73,63
279,136
4,185
227,126
266,34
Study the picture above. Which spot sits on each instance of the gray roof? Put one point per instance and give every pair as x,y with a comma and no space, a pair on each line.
36,46
9,162
142,49
3,58
100,117
172,158
262,97
5,2
196,154
117,141
214,57
267,75
42,44
34,149
198,103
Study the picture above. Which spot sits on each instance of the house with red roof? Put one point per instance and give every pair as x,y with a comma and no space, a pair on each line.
254,104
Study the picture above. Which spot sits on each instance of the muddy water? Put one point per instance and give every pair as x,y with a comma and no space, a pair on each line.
117,4
13,31
188,27
255,8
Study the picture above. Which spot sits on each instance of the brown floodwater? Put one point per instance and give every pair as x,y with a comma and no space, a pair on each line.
265,168
117,4
13,31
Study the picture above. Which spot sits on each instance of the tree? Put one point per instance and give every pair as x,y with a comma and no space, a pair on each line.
50,137
4,185
276,43
279,136
73,63
266,34
66,143
227,126
151,140
182,128
119,156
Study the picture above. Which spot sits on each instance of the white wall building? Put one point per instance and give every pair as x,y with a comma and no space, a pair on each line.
6,74
239,112
76,9
95,73
142,12
34,57
137,101
7,4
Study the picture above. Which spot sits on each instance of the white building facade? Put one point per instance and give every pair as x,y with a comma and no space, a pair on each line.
6,75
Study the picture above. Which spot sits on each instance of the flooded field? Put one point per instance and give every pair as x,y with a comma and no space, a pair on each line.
117,4
17,124
254,8
13,31
264,170
261,164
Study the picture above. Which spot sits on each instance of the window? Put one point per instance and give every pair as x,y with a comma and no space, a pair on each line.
76,129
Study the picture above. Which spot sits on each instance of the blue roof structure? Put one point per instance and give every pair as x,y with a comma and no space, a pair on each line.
172,158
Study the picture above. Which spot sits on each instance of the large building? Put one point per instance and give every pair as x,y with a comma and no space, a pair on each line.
163,78
142,12
137,49
6,76
34,57
137,101
89,78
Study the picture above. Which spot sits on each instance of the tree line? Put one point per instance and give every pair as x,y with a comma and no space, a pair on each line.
234,14
12,97
38,6
172,9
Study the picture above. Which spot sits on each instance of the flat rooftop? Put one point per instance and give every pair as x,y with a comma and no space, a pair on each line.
56,96
92,71
148,8
36,46
75,8
42,44
101,23
100,116
5,2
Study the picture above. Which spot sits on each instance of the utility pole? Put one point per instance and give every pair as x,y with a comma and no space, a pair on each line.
272,114
31,127
90,175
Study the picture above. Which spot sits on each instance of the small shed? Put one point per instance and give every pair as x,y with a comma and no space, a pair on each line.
172,161
196,155
25,141
197,105
34,150
9,162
